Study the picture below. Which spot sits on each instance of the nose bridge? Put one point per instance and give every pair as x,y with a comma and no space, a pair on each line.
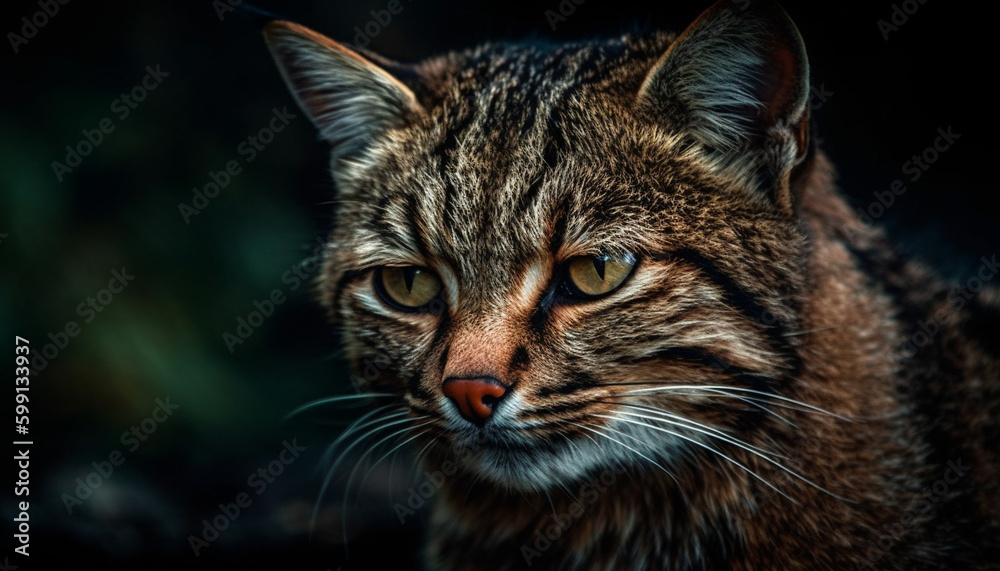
489,328
481,348
485,342
476,373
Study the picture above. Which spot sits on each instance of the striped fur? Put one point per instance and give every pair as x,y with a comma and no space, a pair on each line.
744,394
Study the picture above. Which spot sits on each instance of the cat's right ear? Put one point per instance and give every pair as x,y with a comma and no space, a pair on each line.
736,82
350,99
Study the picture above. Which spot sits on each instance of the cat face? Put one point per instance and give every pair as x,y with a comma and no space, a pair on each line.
567,258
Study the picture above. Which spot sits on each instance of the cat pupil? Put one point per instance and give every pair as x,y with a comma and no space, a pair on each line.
599,265
408,275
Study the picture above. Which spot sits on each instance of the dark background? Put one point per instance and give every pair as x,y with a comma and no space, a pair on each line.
162,336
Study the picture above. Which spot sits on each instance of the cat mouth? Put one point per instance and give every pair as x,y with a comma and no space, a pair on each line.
512,460
510,464
492,438
516,454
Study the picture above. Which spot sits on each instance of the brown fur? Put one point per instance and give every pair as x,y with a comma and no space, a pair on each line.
493,166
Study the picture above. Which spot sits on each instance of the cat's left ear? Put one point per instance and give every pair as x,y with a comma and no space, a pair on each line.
353,100
736,82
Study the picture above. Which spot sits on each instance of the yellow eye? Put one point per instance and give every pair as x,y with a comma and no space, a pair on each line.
598,275
409,287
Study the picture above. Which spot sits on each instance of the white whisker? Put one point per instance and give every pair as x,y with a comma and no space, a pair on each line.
394,448
699,427
356,426
627,447
740,389
706,447
816,330
333,469
754,452
754,402
420,454
336,399
357,464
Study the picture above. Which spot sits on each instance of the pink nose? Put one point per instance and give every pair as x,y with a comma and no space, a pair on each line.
475,398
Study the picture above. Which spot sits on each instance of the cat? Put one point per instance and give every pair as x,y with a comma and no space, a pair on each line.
623,312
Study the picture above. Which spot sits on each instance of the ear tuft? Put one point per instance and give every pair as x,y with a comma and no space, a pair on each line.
350,99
